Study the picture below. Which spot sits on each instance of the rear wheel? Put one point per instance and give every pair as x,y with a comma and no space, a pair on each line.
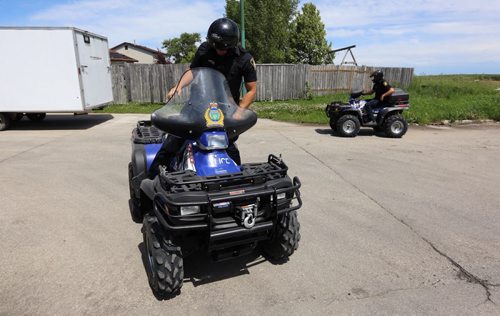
348,125
36,116
285,239
4,121
165,264
134,202
395,126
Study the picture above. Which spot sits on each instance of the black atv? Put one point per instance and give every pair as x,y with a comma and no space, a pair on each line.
203,200
347,118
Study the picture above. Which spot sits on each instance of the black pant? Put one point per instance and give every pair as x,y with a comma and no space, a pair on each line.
171,147
369,105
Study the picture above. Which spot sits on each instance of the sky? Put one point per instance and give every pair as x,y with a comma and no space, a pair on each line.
433,37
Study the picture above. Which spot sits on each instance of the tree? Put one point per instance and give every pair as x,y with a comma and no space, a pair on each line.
267,27
160,58
308,42
182,49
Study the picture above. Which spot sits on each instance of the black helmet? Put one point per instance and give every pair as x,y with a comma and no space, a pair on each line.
377,76
223,33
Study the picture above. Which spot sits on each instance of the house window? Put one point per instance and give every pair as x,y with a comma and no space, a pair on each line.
126,47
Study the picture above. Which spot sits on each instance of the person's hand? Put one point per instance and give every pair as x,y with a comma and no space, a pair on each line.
238,114
173,91
382,97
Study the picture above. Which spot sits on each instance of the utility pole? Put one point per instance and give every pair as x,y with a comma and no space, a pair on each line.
242,19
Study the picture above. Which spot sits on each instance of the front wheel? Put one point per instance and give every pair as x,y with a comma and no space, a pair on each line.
165,265
285,239
134,202
333,123
395,126
348,125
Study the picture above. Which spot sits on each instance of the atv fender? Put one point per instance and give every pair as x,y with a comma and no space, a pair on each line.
147,186
385,112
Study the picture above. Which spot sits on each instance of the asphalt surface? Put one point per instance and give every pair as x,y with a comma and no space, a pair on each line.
389,226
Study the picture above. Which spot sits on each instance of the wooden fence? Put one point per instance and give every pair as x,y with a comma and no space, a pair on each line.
149,83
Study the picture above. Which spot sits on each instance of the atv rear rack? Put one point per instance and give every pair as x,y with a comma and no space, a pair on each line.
146,133
251,174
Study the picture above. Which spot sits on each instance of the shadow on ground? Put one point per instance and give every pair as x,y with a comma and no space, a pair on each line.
201,269
362,132
62,122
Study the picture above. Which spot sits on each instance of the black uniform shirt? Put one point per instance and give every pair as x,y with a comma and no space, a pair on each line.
237,64
381,88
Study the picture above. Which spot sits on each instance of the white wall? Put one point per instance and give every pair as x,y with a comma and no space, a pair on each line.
139,55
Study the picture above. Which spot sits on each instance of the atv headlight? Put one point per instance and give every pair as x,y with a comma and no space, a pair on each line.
280,196
213,140
190,210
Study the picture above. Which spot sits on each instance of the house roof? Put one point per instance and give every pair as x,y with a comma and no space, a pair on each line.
115,56
139,47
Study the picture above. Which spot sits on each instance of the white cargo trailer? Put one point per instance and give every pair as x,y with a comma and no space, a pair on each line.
52,70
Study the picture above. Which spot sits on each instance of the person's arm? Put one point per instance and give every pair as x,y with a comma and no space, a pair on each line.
249,97
185,80
188,76
387,93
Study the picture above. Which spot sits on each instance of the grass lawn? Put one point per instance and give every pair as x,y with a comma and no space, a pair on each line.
432,99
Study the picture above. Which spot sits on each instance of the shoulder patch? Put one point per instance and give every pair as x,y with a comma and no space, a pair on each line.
252,62
385,83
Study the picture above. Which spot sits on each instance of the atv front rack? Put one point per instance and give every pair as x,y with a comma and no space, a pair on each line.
251,174
211,219
264,186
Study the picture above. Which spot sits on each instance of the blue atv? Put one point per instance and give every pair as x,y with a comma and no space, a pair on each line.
347,118
203,200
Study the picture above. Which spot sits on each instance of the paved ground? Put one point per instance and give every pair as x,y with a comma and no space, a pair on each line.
405,226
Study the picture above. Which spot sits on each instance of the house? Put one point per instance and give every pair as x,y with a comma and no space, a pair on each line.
143,54
117,58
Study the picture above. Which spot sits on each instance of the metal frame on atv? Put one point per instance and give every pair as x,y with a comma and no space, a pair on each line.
347,118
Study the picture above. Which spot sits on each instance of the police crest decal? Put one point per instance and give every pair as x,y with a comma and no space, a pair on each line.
214,116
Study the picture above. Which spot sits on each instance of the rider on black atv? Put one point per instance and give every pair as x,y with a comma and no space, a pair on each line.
221,52
382,91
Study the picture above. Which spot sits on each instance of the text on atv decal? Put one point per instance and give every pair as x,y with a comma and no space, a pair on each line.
224,160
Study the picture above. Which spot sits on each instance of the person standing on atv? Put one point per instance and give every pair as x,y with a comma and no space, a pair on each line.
382,91
222,52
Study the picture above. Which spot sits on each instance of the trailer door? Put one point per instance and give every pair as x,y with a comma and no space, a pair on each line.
95,70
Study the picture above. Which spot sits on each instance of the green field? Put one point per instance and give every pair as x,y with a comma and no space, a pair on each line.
432,98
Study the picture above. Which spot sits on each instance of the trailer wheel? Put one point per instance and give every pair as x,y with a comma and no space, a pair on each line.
36,116
18,117
4,121
285,239
164,261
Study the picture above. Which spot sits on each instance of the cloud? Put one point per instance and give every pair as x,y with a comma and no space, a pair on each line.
419,33
149,22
